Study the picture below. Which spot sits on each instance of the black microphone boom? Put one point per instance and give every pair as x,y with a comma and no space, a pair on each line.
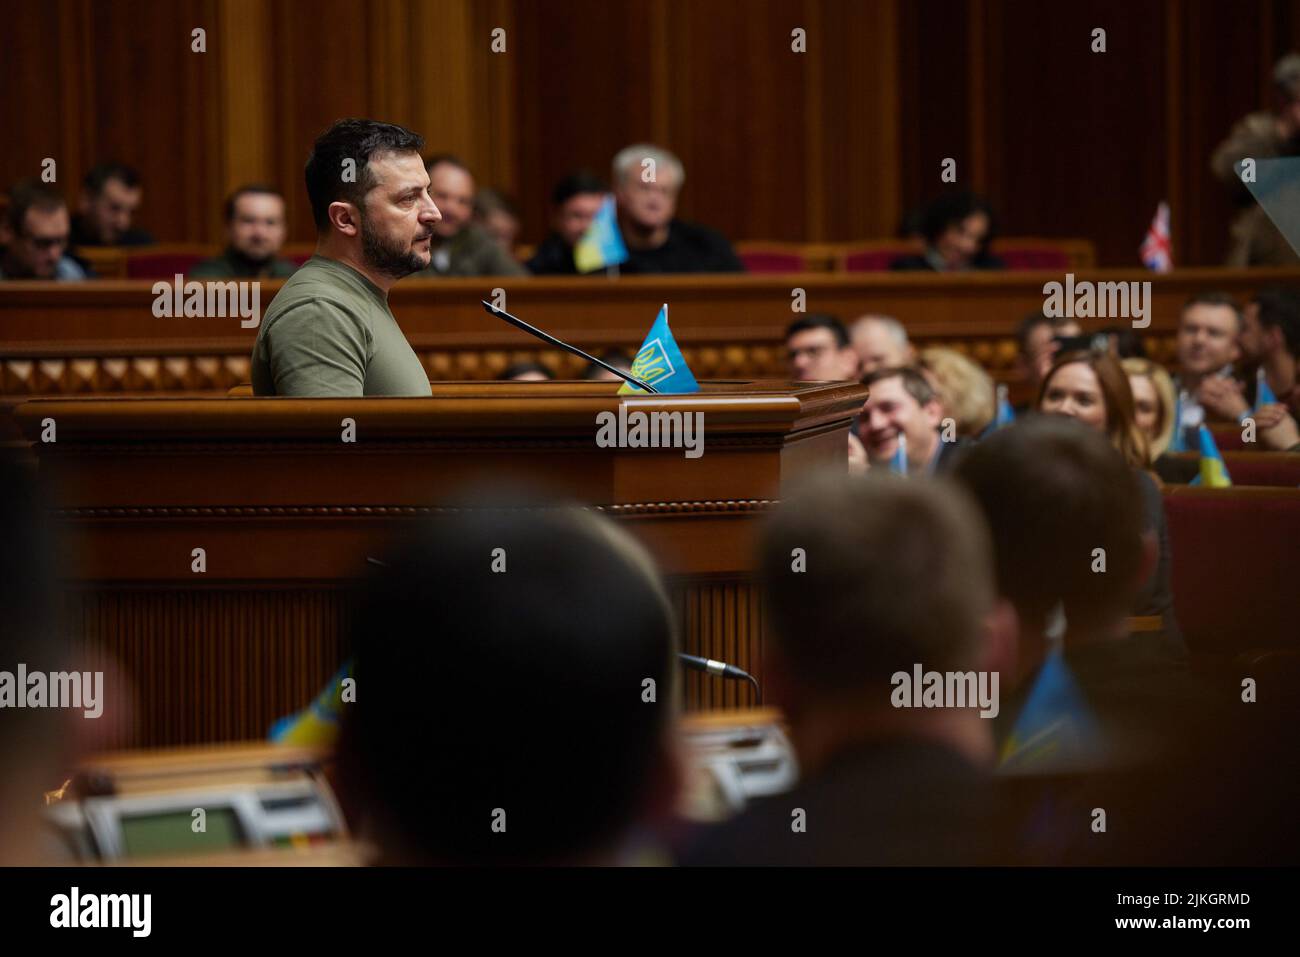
720,668
548,338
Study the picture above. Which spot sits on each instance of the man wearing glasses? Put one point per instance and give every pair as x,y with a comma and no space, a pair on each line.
36,235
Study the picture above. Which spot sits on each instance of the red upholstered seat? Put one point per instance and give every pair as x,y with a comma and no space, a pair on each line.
161,265
875,260
1034,257
1280,469
768,261
1227,437
1234,557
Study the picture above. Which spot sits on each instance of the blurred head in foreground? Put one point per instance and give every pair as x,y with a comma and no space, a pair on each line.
1053,490
515,678
866,578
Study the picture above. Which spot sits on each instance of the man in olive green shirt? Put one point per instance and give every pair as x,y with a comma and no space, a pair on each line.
255,232
329,331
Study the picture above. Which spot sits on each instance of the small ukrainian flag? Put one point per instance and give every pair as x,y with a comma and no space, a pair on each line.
660,363
1056,730
1214,471
317,725
602,244
1263,391
898,464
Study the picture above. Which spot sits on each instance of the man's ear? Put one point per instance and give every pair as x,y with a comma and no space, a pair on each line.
851,363
933,412
344,217
1000,635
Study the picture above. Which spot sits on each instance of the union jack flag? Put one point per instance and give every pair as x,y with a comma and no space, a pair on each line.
1157,249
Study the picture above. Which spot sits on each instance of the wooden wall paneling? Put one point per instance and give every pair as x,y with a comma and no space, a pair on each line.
246,49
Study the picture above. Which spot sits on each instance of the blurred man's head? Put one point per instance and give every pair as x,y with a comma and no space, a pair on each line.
255,222
498,217
881,343
38,225
1053,491
370,195
1270,326
902,403
1208,331
519,668
1036,338
647,180
452,189
895,574
110,195
817,349
575,203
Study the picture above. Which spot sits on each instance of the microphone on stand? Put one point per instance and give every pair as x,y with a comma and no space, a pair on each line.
551,340
720,668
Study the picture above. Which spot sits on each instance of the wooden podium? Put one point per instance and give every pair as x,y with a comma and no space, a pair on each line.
286,512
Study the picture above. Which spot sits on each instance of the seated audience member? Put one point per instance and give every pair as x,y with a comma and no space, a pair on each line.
957,229
1038,340
574,204
904,406
461,247
1253,238
881,343
539,727
1134,728
497,217
1206,386
110,196
1270,341
1153,403
817,350
1124,342
37,229
255,232
905,584
965,390
1093,388
647,182
329,331
527,372
618,358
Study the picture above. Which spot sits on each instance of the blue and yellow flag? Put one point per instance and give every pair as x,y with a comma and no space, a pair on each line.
898,464
1056,730
1214,472
1005,414
317,725
1263,391
660,362
602,244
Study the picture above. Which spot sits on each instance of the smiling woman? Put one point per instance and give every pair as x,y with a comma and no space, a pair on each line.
1093,388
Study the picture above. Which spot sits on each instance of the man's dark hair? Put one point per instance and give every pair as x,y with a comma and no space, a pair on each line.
1126,343
618,358
1053,491
896,573
359,141
503,655
575,184
1032,322
31,194
951,209
820,321
252,189
914,382
1280,308
1215,298
451,159
99,175
519,368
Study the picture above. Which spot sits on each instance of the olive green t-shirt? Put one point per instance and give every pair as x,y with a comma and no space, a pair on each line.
329,332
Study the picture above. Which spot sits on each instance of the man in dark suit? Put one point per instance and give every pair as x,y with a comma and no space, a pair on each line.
867,580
